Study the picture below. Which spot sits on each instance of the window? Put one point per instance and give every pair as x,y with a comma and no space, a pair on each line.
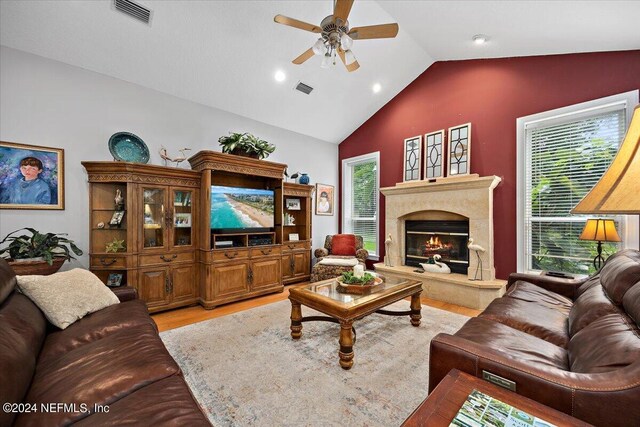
360,183
561,155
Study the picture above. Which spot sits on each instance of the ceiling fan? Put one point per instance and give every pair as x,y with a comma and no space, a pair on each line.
336,37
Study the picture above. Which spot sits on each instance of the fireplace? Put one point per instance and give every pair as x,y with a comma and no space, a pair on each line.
424,239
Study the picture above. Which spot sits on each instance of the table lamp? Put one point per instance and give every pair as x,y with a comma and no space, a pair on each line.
600,230
617,190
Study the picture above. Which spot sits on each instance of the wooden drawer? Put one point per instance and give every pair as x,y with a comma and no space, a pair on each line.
108,261
293,246
261,251
230,254
166,259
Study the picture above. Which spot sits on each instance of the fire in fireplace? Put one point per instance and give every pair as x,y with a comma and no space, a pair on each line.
424,239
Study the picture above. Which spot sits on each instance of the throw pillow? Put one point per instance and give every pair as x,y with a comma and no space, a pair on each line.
344,262
343,244
67,296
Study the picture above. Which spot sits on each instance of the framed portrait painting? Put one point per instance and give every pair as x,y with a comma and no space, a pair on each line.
31,177
324,199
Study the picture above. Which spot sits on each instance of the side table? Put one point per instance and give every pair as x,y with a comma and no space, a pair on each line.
442,405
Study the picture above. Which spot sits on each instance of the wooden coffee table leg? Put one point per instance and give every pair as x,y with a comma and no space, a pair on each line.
416,307
346,345
296,320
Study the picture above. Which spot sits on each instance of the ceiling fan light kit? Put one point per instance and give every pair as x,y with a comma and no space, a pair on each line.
349,57
318,47
336,37
326,60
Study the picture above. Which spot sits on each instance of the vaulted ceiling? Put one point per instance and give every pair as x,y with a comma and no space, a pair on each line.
224,54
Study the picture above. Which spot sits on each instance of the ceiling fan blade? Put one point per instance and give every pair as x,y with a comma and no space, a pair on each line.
382,31
341,9
284,20
305,55
351,67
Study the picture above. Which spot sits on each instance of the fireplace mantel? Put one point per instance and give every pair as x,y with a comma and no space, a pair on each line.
469,196
467,182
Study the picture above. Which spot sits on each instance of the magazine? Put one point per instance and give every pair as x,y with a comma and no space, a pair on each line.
482,410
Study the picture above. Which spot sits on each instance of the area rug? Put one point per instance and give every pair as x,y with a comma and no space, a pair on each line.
245,370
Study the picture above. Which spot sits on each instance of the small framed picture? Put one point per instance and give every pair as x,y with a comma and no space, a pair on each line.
433,155
182,220
324,199
293,237
116,219
114,280
412,153
459,149
293,204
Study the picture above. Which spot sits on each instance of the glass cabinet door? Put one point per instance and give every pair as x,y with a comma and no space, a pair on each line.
154,221
182,218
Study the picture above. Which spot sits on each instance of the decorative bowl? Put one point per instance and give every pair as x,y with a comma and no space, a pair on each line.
350,288
127,147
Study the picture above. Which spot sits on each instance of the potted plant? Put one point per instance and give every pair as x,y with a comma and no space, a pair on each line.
349,283
246,144
38,253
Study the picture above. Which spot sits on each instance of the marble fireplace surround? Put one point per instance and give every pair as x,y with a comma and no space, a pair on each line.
469,197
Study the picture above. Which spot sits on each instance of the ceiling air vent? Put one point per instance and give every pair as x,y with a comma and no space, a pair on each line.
134,10
304,88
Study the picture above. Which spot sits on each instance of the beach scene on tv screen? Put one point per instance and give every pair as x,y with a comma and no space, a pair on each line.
241,208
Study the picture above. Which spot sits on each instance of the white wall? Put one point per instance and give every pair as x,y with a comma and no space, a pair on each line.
48,103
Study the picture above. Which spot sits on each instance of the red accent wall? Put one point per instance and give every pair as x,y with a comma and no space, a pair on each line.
491,94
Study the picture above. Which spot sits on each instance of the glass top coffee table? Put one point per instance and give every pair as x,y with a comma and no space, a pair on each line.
346,308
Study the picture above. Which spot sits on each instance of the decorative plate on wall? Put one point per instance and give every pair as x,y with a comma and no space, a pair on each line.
127,147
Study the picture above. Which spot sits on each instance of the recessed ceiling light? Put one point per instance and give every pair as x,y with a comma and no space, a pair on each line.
376,88
280,76
480,39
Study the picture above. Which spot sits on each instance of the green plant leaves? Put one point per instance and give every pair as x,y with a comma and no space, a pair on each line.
246,142
47,245
348,278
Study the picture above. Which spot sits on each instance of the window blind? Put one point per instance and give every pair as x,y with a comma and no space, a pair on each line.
364,205
565,157
360,191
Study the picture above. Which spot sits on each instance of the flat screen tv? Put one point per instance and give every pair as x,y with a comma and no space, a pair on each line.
238,210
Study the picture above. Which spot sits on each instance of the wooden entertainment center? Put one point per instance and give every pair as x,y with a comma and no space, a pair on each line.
169,252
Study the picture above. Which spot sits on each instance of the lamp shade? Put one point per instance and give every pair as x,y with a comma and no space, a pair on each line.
318,47
603,230
345,41
349,57
326,61
617,190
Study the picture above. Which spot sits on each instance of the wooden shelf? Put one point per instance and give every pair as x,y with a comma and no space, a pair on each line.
162,274
110,229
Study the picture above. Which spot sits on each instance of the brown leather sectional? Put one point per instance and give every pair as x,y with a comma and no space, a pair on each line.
573,345
113,358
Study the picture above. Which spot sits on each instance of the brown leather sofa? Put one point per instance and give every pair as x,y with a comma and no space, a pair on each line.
573,345
113,358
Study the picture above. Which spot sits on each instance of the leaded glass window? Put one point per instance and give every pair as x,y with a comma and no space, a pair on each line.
433,154
459,149
412,165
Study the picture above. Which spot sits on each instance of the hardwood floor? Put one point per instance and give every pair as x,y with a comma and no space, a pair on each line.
185,316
